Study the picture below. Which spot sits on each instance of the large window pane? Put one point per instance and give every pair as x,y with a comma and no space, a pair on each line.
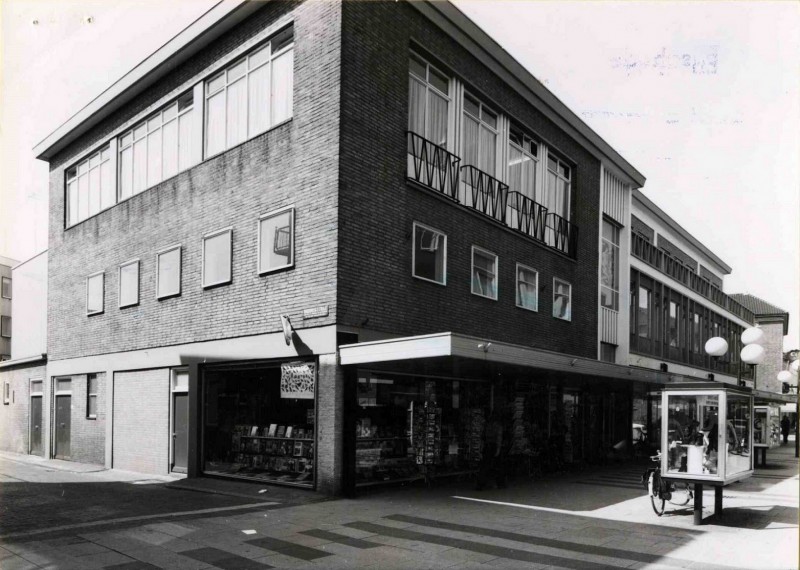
527,288
154,158
217,259
644,312
169,273
83,197
139,165
106,186
170,139
215,124
126,173
258,99
94,191
72,196
282,87
562,299
276,241
484,273
430,254
186,139
236,114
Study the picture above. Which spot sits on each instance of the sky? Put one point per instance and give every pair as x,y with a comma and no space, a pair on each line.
703,98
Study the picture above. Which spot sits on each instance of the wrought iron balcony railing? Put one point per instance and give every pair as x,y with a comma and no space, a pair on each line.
432,165
561,234
526,216
484,193
644,250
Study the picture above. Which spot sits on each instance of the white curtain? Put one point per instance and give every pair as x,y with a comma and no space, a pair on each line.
282,86
488,151
236,112
416,106
437,119
169,132
126,173
215,123
258,96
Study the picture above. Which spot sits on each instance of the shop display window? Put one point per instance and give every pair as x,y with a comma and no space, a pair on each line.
258,422
708,434
410,427
766,427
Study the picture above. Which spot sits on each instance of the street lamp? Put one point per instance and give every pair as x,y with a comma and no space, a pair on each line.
752,353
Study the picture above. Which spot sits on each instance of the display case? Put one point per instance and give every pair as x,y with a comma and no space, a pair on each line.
766,426
707,433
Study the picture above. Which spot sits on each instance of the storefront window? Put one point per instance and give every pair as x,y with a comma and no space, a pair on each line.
258,422
692,428
409,427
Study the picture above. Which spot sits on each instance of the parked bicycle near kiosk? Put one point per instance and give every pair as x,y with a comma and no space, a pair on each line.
662,491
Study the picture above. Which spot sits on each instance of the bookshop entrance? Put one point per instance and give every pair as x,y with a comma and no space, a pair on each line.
258,421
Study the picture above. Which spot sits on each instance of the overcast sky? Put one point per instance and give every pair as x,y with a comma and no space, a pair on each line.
702,98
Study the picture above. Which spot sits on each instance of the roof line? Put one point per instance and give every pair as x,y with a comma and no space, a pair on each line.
650,205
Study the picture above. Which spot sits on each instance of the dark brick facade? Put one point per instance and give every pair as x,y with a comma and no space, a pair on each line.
377,205
643,229
677,252
295,163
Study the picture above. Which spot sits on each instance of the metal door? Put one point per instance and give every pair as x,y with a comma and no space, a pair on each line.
63,426
180,431
36,425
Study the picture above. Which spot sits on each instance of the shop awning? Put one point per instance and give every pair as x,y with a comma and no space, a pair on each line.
458,348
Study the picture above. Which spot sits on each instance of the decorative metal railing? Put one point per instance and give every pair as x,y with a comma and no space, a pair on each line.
561,234
483,192
432,165
526,216
657,258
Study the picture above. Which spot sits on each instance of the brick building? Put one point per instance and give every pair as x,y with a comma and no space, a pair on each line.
316,243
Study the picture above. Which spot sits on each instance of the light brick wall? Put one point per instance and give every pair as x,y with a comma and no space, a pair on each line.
330,425
293,164
88,436
377,207
141,421
768,370
15,416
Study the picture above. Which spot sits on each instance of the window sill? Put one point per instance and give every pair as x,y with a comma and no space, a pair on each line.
484,296
91,417
532,310
95,313
426,280
218,284
168,296
562,319
129,305
275,269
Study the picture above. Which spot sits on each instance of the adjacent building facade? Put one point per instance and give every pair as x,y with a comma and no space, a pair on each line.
319,243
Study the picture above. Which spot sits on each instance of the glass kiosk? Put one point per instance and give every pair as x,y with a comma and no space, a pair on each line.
766,431
706,437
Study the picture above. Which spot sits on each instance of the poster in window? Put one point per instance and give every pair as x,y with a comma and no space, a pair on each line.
297,380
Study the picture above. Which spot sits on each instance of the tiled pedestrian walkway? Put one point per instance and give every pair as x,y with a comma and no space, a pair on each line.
590,520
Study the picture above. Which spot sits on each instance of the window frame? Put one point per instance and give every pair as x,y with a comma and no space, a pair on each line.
102,293
428,85
6,392
5,326
5,281
535,308
556,280
107,148
159,253
223,72
528,142
229,231
425,227
560,162
482,124
615,249
267,216
138,282
477,249
90,394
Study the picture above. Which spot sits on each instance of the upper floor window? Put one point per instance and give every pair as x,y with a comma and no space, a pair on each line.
129,284
480,135
484,273
157,148
6,288
428,101
523,163
562,299
95,292
609,266
429,256
251,95
90,187
217,258
674,322
276,240
527,288
5,326
168,272
643,310
559,186
697,333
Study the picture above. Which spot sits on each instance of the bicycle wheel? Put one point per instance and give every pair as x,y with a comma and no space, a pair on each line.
683,496
653,485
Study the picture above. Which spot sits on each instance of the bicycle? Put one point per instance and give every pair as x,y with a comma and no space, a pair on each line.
661,491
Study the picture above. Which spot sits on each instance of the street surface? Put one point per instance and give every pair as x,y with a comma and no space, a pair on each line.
55,514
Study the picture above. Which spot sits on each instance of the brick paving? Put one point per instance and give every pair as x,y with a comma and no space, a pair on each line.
598,518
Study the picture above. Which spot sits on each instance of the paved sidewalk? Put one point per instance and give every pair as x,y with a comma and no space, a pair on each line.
596,519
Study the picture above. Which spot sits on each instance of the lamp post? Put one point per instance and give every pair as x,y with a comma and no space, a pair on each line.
752,353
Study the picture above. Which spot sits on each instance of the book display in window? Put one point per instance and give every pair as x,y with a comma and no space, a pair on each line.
284,458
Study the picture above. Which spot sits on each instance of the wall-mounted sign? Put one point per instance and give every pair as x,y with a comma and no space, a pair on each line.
297,380
315,312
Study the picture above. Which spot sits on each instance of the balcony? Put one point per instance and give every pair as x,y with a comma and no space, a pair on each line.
526,216
561,234
654,257
484,193
432,166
